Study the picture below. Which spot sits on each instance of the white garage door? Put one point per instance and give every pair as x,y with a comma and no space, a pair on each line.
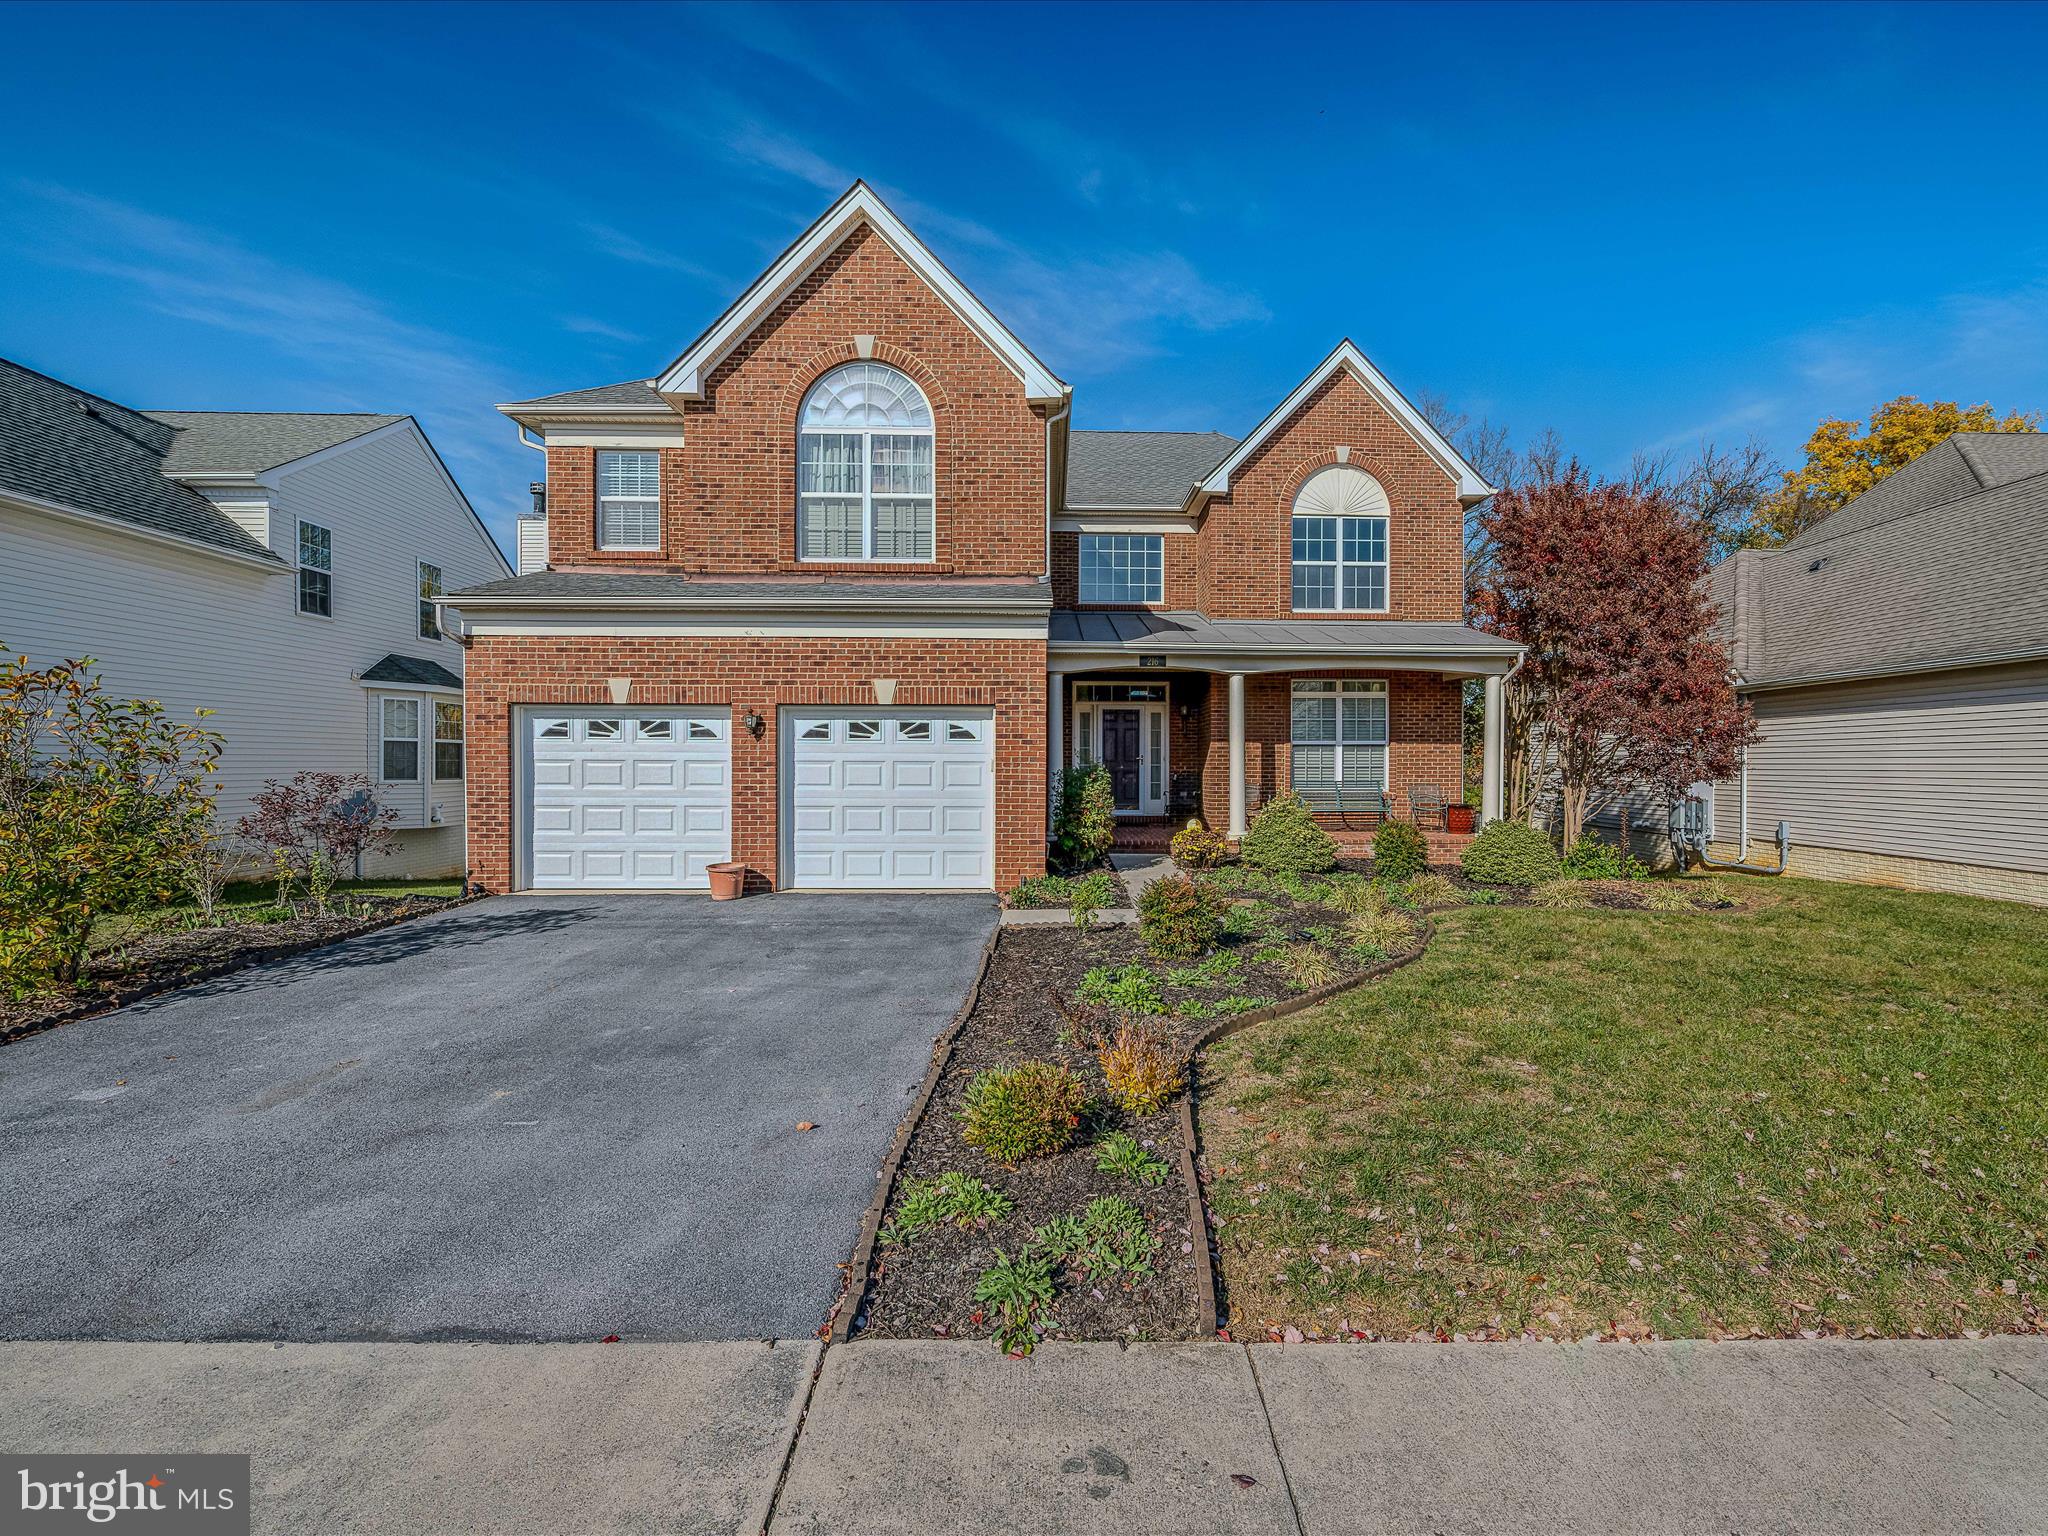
902,799
627,801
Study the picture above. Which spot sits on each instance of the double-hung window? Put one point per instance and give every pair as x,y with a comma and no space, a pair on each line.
628,500
1338,732
447,741
400,740
1340,543
430,588
316,570
864,487
1122,568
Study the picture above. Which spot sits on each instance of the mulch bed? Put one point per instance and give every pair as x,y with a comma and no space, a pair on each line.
169,958
1027,1010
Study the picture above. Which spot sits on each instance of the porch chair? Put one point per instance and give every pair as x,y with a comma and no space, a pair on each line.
1426,806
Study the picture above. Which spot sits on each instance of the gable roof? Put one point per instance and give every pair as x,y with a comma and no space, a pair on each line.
859,205
1957,581
1472,486
1139,470
413,671
633,394
73,452
250,442
1955,466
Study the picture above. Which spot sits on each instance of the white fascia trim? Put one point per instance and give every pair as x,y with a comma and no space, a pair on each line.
1098,522
370,685
686,375
1472,486
1176,510
100,520
1070,657
613,434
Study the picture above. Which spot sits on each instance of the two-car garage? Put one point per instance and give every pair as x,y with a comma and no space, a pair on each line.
867,799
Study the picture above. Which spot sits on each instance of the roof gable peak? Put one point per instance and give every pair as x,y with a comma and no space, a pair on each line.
860,204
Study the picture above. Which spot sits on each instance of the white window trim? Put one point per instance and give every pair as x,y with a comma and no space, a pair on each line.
421,769
298,564
599,497
440,586
431,711
867,436
1337,688
1340,564
1088,702
1081,568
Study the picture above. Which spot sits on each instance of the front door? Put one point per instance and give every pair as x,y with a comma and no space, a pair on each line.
1123,755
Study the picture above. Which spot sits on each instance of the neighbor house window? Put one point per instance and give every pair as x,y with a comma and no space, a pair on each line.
316,570
447,741
1122,568
1338,732
430,588
1340,542
629,501
864,467
401,739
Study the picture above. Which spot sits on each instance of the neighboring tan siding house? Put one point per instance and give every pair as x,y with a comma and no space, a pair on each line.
168,546
838,593
1896,655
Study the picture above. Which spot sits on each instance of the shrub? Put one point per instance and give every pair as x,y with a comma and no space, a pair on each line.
1352,894
1013,1290
1084,823
1385,932
956,1197
1142,1069
1194,846
316,824
1429,892
1591,859
1121,1152
1559,893
1029,1110
1128,989
1241,879
1178,919
1510,853
1399,850
1309,967
1284,839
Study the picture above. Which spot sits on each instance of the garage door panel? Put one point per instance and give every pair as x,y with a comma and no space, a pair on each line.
892,799
627,802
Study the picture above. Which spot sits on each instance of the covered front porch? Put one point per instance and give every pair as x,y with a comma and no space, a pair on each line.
1210,719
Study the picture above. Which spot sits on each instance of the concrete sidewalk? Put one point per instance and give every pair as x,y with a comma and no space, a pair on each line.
943,1437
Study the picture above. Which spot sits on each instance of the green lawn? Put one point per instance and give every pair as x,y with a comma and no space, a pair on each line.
1827,1111
251,901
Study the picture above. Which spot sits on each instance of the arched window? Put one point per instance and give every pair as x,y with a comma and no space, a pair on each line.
864,467
1340,542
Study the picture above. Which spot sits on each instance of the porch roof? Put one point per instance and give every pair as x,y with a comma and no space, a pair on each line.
1244,644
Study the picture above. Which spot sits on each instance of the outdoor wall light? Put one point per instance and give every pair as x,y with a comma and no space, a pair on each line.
753,722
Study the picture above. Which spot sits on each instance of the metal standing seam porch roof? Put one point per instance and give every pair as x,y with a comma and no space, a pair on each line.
1075,630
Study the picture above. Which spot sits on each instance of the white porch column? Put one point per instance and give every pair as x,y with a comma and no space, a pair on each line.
1056,731
1493,743
1237,821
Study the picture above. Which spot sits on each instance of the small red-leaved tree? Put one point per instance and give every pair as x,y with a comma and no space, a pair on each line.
318,825
1624,687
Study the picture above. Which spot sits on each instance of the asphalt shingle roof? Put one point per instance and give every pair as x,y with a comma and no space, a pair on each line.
63,445
1140,469
1901,587
1956,466
249,442
631,392
415,671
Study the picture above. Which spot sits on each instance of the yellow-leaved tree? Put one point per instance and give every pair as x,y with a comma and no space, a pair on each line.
1843,460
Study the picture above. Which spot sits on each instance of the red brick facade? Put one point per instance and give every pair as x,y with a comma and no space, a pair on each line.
502,673
1247,554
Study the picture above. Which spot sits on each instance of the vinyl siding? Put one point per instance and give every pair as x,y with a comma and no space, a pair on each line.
195,631
1945,766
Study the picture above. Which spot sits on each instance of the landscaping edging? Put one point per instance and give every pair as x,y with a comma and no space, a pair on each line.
109,1002
1198,1209
859,1269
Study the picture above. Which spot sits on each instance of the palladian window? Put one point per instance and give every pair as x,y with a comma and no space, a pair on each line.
1340,543
864,467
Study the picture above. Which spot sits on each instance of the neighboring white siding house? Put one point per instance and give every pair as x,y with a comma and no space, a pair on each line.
1896,655
189,591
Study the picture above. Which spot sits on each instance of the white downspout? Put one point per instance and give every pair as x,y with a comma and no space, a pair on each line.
1051,421
1742,800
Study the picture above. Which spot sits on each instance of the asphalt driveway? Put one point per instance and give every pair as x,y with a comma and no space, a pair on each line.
529,1118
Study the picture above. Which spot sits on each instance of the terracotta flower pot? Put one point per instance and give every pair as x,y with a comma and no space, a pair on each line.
728,881
1458,818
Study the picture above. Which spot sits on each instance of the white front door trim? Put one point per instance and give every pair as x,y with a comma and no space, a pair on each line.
1156,724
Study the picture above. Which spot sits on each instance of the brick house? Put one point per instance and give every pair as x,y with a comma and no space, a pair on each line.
834,593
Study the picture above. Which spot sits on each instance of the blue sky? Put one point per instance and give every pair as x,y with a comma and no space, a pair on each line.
1634,224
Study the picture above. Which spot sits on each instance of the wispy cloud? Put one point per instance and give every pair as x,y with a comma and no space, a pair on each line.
583,325
351,348
617,243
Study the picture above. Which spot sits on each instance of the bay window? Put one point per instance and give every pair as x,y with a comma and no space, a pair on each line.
1337,730
447,741
864,468
399,761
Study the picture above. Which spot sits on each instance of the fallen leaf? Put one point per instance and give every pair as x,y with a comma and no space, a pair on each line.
120,1082
806,1125
1244,1480
610,1338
